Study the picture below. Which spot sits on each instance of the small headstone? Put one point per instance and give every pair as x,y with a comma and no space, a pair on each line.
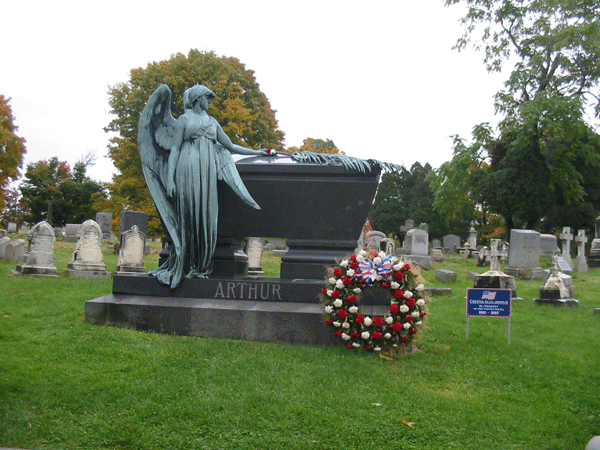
451,242
3,243
11,227
409,224
71,230
548,244
131,253
423,226
580,262
87,259
104,220
567,280
416,248
59,233
563,264
15,250
482,257
254,250
436,243
39,257
131,218
2,232
594,444
554,292
373,239
388,246
445,276
25,228
524,254
437,254
466,251
472,275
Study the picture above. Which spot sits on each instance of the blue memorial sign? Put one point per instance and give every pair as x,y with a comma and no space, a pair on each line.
489,302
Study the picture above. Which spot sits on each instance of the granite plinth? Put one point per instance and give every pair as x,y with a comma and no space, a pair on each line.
559,302
88,273
593,260
265,309
496,280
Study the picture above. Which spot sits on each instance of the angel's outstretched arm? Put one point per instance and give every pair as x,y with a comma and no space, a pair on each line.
174,154
234,148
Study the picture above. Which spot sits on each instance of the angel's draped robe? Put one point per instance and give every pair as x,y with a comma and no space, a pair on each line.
195,202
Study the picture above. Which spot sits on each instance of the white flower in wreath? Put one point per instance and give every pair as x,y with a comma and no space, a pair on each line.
418,323
346,325
404,308
395,285
395,345
357,290
377,260
355,345
329,292
332,280
345,336
406,326
421,302
329,309
379,278
338,302
408,294
337,324
344,263
420,287
365,335
362,253
360,258
353,310
368,321
415,314
339,284
382,255
377,349
397,267
387,335
350,272
389,320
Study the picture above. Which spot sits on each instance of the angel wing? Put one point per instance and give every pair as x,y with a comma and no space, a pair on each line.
227,172
155,136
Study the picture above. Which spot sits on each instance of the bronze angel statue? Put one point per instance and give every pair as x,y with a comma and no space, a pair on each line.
182,160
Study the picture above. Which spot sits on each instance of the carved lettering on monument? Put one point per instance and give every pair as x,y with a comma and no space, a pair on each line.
241,290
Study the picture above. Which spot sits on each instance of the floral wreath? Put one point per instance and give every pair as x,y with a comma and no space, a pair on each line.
343,292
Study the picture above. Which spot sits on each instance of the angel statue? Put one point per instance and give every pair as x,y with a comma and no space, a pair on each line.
182,160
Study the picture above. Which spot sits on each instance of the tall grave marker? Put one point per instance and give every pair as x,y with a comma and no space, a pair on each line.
524,255
39,257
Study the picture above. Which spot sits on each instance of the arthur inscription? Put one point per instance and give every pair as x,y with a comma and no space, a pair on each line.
242,290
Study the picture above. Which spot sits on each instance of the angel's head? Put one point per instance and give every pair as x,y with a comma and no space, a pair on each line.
195,93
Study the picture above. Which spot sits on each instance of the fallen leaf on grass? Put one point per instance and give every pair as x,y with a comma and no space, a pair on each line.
387,358
408,424
376,404
447,347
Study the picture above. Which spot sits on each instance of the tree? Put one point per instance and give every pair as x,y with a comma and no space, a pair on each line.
12,149
406,195
317,146
54,193
534,164
240,107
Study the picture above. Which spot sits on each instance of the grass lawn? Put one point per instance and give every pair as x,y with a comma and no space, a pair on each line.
66,384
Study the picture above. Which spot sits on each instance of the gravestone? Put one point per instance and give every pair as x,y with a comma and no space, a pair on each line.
71,230
548,244
466,251
59,233
25,228
3,244
580,262
423,226
104,220
131,253
445,276
39,257
472,238
131,218
563,264
416,248
373,239
11,227
593,258
524,255
2,232
566,236
482,258
254,250
388,246
451,242
495,278
437,254
436,243
87,259
554,292
15,250
567,280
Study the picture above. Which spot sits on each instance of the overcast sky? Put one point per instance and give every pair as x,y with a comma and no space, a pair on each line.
381,79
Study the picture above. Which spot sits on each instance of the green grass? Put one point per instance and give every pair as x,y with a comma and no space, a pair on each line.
66,384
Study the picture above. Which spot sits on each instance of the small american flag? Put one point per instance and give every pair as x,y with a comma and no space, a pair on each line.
487,295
